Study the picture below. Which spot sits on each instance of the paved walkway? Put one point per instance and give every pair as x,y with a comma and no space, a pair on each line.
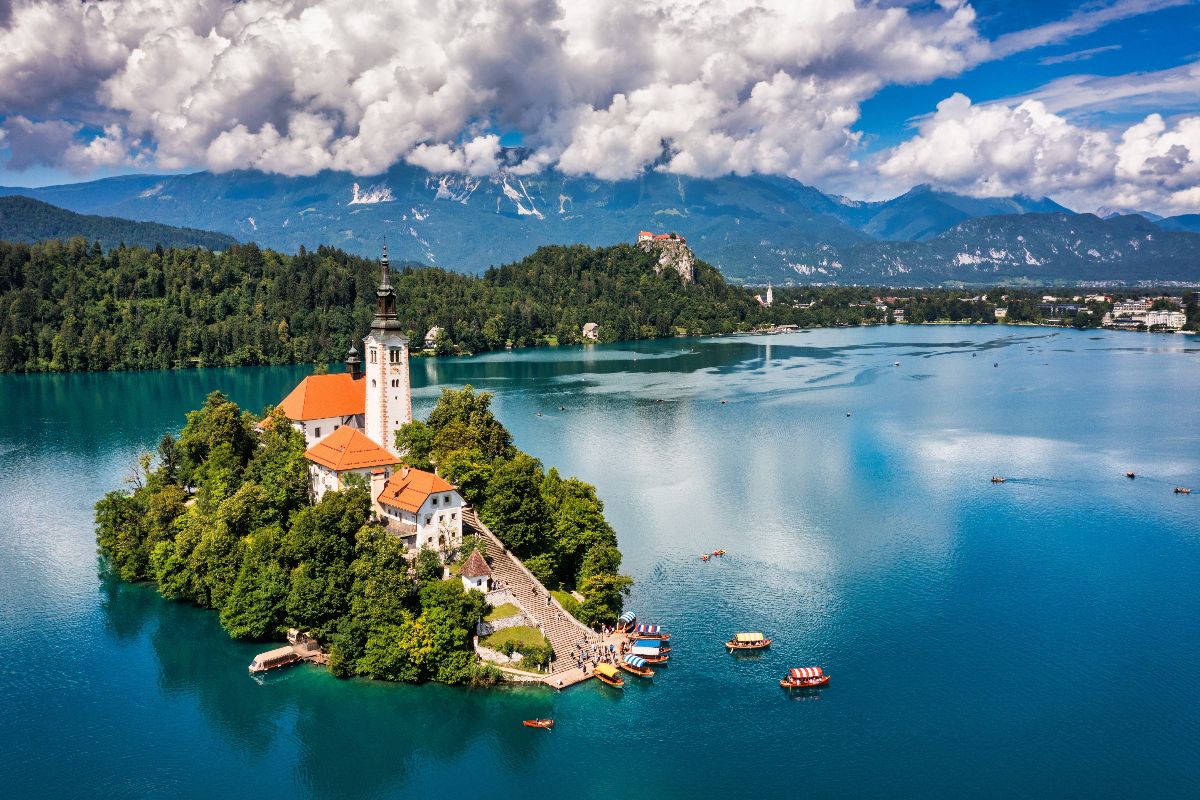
563,631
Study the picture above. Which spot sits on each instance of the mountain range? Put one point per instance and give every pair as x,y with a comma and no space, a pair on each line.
23,219
753,228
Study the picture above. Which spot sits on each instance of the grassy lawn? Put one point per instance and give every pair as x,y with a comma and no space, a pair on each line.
503,611
522,634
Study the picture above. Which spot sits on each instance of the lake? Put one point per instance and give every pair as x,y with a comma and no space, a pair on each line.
1034,638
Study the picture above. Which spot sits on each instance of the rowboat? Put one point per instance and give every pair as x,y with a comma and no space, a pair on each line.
998,479
718,552
1130,475
625,622
748,641
647,631
1182,490
804,678
704,556
608,674
539,723
636,665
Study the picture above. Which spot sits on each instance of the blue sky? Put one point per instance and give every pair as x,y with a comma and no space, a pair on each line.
1093,103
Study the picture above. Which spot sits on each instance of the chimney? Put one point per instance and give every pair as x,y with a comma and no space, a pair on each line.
354,363
378,481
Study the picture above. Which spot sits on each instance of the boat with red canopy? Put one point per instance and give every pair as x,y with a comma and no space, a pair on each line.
648,631
804,678
539,723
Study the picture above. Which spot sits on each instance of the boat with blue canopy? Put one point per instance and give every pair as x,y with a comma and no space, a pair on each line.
650,649
636,665
625,622
804,678
649,631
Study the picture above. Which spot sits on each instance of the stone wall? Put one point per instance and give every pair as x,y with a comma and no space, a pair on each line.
487,628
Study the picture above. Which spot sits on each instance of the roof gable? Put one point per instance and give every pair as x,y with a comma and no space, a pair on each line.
322,396
408,488
347,448
475,566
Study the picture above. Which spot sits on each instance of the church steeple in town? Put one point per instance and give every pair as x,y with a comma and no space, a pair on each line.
388,402
385,295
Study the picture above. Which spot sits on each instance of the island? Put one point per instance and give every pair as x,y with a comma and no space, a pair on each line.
394,543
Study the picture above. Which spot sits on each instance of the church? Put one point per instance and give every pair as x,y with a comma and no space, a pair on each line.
349,421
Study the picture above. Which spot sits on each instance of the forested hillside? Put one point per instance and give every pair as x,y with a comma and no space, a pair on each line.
72,306
23,219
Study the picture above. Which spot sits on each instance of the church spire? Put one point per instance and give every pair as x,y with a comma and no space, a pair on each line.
385,297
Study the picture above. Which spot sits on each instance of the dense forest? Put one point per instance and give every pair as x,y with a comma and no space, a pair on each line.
73,306
221,517
23,219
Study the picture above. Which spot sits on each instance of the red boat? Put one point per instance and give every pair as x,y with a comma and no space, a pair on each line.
539,723
804,678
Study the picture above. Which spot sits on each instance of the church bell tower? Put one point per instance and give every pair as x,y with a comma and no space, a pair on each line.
385,350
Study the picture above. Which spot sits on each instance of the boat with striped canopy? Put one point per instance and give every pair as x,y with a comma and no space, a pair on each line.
748,641
648,631
608,674
804,678
625,622
636,665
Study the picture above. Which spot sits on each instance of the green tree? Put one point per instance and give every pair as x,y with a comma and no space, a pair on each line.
514,509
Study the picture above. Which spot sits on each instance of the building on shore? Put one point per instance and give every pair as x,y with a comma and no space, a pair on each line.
349,421
591,331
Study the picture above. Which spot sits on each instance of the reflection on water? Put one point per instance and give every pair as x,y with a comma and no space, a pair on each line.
996,625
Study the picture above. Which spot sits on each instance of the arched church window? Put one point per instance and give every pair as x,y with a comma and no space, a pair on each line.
394,355
374,356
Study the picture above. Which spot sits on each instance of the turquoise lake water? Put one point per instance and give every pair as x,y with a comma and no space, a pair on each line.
1035,638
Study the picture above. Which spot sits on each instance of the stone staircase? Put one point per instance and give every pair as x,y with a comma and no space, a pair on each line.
561,629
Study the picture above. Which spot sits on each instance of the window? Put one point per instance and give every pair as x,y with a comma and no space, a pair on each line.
374,356
394,355
428,518
446,499
435,502
317,432
335,427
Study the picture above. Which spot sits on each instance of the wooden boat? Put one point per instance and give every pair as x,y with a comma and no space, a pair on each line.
804,678
998,479
636,665
748,641
626,621
704,556
1130,475
718,552
539,723
648,631
608,674
273,659
652,647
1182,490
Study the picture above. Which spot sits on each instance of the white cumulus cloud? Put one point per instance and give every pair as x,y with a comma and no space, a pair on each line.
996,149
297,86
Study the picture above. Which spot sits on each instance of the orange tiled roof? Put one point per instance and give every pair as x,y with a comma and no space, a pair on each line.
321,396
408,488
348,448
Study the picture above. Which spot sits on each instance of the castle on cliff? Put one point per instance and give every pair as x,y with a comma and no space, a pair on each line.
673,253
